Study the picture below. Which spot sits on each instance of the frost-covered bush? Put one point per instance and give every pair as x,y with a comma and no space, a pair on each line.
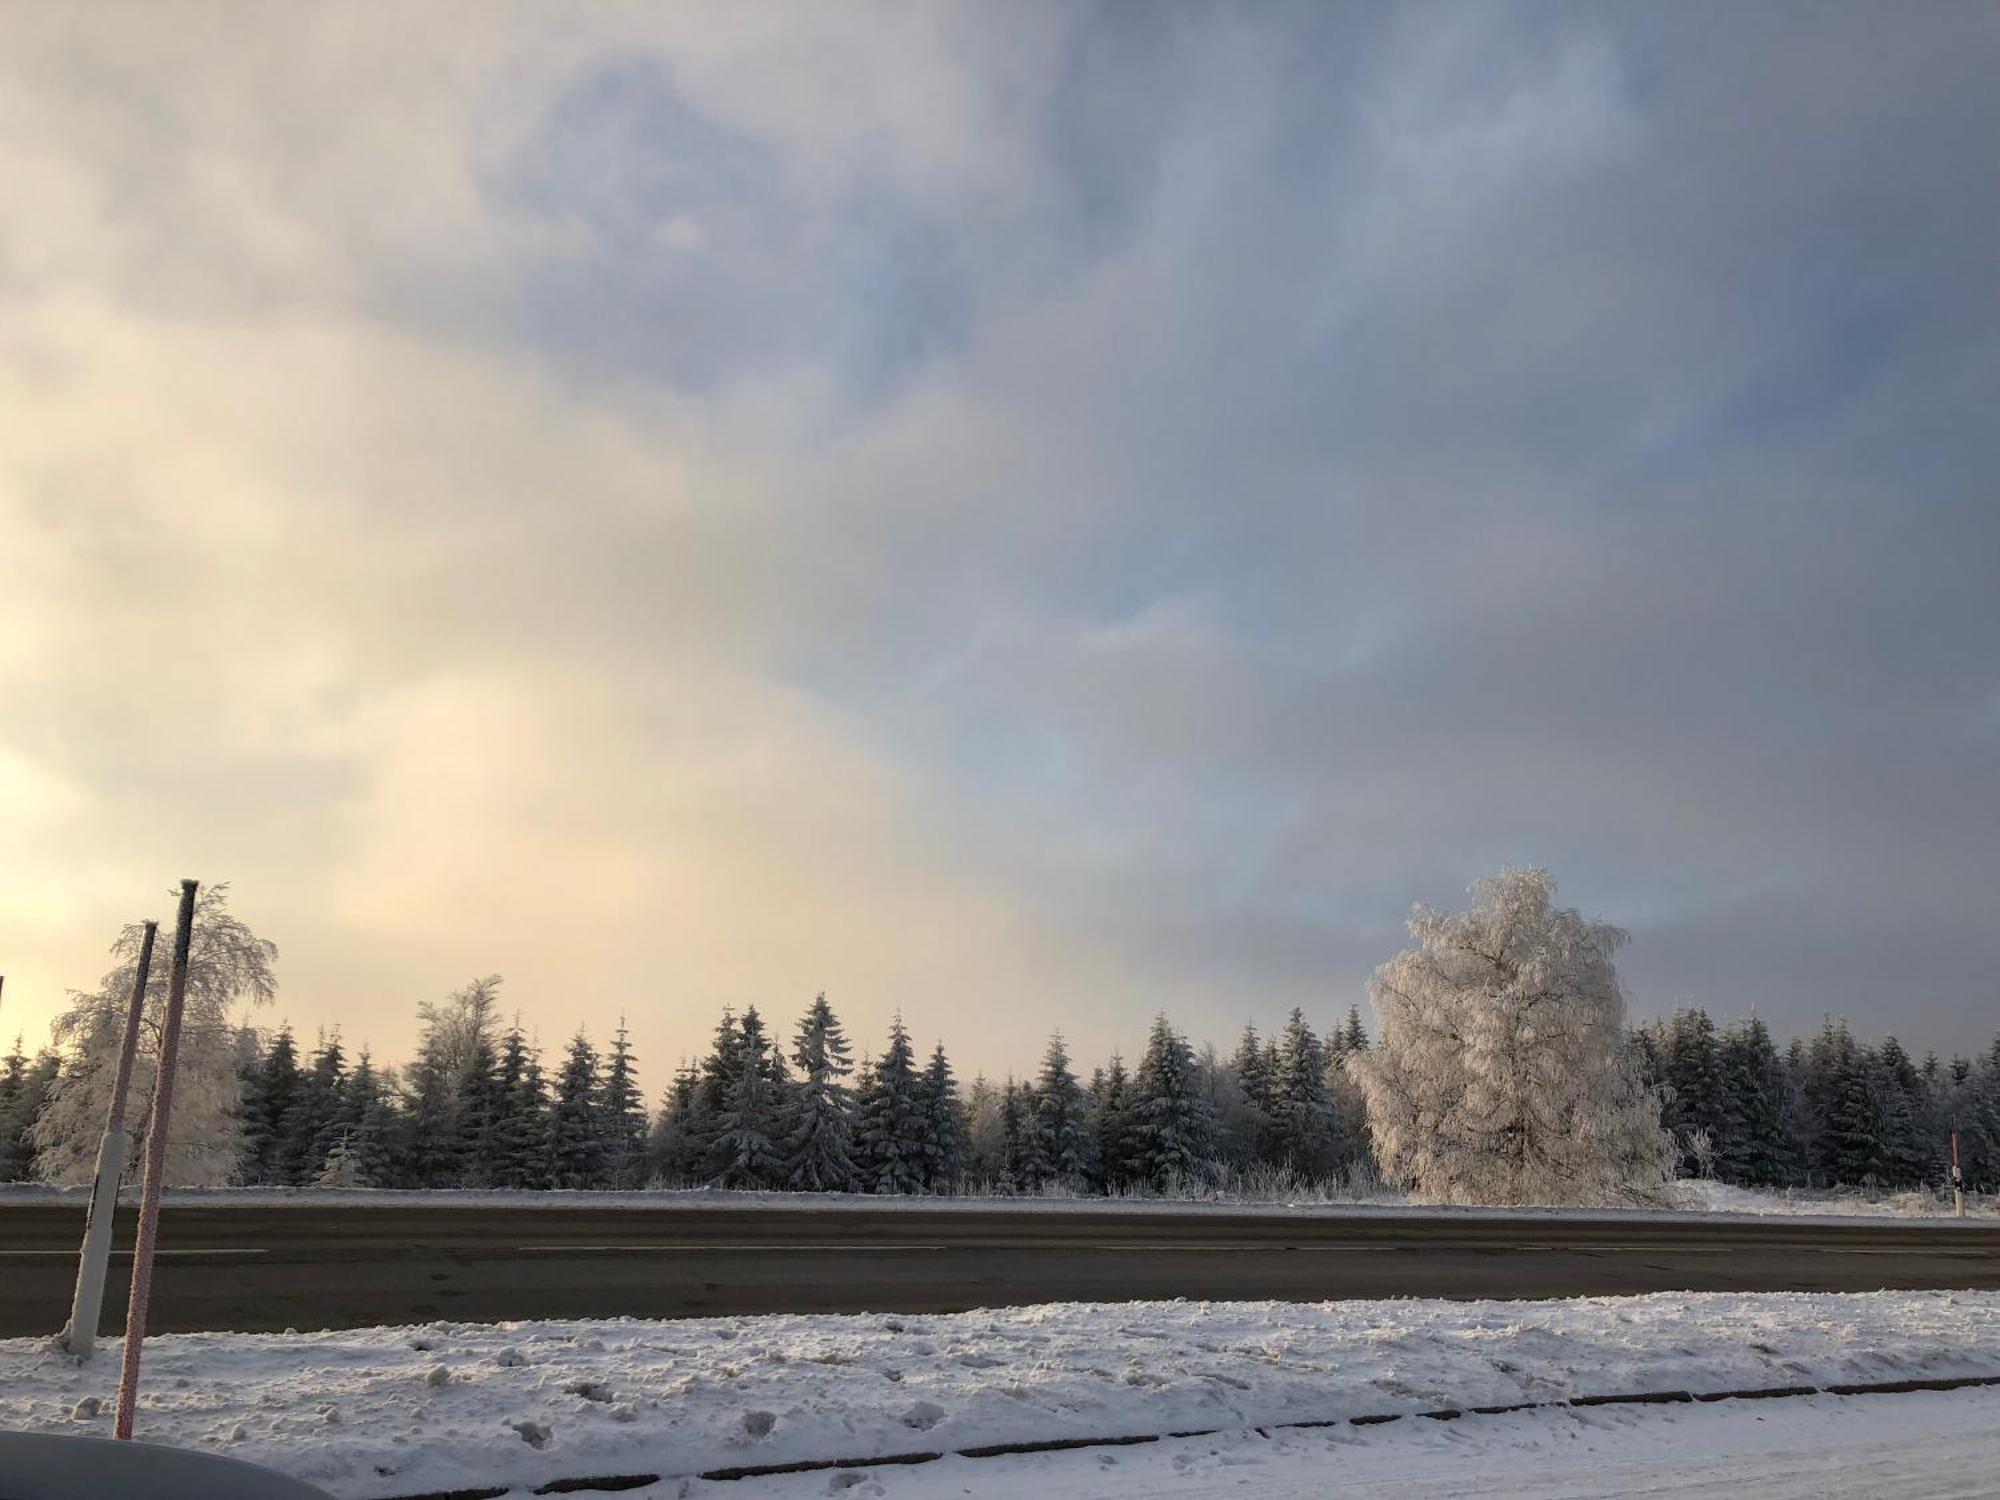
1502,1073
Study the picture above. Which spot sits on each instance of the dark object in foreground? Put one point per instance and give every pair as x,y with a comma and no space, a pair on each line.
44,1466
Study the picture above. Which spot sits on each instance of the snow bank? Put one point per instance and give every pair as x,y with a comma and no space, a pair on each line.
386,1411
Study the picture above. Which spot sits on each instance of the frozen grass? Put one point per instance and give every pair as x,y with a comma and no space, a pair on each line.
1847,1203
1262,1190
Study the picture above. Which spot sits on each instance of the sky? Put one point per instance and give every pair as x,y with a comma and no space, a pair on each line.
1028,515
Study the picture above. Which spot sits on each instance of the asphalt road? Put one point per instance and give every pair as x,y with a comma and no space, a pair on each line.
253,1268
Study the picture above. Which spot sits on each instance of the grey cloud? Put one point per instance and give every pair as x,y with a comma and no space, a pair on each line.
1239,470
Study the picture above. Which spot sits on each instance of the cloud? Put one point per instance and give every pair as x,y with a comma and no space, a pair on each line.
1027,516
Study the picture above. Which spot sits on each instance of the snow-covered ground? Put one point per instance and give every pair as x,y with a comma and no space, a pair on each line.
1700,1197
1922,1447
393,1411
1720,1197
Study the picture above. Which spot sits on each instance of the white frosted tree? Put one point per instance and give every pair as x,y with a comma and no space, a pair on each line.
1501,1073
227,963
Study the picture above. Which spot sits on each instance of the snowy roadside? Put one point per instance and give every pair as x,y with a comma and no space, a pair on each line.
1710,1199
387,1411
1921,1447
1721,1198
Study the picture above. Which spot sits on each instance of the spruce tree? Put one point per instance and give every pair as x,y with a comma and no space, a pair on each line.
1172,1128
889,1143
1243,1123
1902,1159
13,1084
819,1122
369,1116
1253,1074
267,1114
1846,1110
1694,1112
1016,1105
986,1145
13,1076
1350,1104
1971,1106
518,1153
315,1119
1305,1134
576,1127
673,1156
715,1081
26,1089
479,1104
1064,1149
746,1152
945,1118
1649,1059
424,1150
1112,1123
623,1109
1028,1162
1759,1146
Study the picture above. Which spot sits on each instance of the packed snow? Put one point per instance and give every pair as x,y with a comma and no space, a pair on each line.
1922,1447
442,1406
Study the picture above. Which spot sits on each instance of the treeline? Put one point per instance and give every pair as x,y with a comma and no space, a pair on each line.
479,1108
1825,1112
750,1114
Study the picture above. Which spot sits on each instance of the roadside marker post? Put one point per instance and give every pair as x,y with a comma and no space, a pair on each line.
79,1336
1957,1180
156,1166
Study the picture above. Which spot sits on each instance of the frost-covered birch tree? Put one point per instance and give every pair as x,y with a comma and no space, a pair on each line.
1501,1073
227,963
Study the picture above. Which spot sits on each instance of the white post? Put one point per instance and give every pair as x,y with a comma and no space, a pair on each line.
81,1333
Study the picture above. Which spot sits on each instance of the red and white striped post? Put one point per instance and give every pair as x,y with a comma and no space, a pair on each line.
156,1165
95,1260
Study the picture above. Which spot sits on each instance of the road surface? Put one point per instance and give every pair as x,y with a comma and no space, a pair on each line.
256,1267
